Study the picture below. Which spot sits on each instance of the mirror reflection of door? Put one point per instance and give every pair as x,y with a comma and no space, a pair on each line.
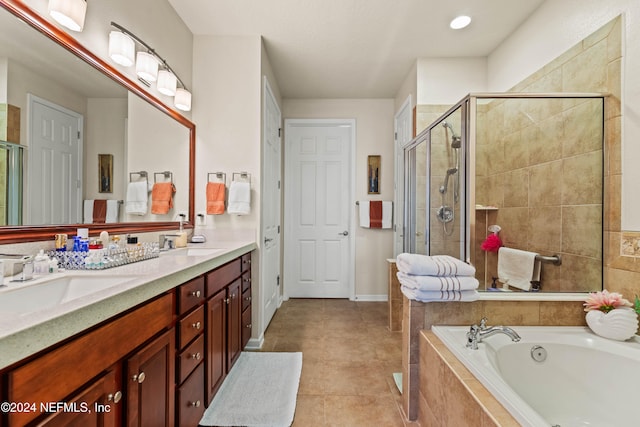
54,164
105,173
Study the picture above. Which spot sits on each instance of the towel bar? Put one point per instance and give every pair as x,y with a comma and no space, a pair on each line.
554,259
244,176
143,174
221,176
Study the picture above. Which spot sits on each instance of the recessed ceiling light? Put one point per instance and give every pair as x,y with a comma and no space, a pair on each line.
460,22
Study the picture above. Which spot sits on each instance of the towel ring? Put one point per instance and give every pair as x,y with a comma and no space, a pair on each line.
166,175
243,177
221,176
142,174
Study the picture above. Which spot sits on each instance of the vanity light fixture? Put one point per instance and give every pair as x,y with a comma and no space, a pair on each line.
69,13
150,67
460,22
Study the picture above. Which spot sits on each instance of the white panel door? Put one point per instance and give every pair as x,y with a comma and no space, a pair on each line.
403,135
317,209
55,164
270,217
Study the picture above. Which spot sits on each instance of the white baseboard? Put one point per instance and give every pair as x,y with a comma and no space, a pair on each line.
254,343
380,298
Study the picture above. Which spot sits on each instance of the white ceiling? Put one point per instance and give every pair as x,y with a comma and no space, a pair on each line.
355,48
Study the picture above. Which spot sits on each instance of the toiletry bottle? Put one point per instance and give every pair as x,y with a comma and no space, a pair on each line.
41,263
53,265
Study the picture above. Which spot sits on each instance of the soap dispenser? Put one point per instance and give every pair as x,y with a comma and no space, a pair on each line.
41,263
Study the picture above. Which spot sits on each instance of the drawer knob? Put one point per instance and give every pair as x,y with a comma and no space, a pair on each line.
247,280
195,404
196,356
248,325
196,325
247,298
194,294
139,378
114,397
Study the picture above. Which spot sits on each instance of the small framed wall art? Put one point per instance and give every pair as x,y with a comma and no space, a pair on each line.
105,173
373,175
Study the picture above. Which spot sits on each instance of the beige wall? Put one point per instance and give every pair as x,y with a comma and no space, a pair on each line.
374,135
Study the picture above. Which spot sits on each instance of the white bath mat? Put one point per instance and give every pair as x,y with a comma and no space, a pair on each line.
260,390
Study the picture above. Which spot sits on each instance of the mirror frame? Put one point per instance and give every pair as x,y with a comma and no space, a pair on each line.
19,234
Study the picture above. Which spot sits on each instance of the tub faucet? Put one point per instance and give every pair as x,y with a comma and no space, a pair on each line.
477,333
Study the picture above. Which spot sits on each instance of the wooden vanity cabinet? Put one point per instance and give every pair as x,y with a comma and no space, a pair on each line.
245,323
224,321
63,373
190,357
97,405
150,384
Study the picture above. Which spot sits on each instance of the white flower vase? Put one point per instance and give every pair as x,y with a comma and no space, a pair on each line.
618,324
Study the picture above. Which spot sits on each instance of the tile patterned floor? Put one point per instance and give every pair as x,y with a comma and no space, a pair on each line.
349,356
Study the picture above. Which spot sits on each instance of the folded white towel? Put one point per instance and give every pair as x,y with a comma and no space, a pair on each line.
433,296
87,212
112,211
435,265
387,214
438,283
239,198
137,198
518,268
364,213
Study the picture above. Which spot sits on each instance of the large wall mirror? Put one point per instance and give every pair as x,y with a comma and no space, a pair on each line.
44,71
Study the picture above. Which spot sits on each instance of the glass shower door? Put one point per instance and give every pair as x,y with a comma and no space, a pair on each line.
10,184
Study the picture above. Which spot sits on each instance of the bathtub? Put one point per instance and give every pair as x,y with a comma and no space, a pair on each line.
584,380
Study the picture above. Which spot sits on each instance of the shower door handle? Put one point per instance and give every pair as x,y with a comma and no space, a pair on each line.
344,233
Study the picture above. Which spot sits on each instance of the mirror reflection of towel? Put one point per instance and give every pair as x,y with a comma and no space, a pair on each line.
137,198
162,197
216,193
239,198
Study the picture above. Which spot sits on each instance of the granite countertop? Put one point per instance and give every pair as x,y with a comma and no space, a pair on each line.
25,331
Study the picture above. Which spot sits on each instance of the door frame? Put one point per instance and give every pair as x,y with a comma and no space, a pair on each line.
351,123
268,92
399,177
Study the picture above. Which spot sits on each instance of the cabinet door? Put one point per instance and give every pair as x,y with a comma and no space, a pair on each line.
234,331
150,383
98,405
216,342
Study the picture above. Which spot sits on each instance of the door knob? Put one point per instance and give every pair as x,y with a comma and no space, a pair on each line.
344,233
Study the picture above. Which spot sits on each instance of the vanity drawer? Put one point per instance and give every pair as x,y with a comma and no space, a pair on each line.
191,404
190,295
246,299
246,327
190,358
222,276
246,281
190,327
246,262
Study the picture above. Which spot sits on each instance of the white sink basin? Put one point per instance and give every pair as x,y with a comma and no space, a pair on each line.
192,252
41,295
203,251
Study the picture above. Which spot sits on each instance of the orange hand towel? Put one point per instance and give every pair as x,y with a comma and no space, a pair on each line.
216,193
162,197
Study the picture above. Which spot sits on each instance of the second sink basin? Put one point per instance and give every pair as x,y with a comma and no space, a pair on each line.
41,295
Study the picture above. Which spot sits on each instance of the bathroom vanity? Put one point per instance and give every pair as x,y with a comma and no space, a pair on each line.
151,350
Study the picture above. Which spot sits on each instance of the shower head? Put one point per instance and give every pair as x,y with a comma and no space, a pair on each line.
443,188
451,171
455,139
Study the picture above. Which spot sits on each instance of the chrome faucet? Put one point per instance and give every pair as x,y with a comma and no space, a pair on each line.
477,333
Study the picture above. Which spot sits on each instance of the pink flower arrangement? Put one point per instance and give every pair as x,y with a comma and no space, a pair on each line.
605,301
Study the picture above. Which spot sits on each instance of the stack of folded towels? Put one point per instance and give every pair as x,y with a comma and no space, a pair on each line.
436,278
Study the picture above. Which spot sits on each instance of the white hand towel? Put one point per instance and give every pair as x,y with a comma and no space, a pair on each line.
87,212
112,211
364,214
434,296
435,265
137,198
387,214
518,268
435,283
239,198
